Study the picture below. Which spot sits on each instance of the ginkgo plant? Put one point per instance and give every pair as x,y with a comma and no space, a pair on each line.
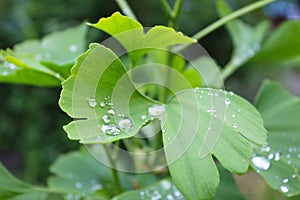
150,107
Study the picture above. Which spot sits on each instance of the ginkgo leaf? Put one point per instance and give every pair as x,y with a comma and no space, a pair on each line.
279,161
131,35
203,123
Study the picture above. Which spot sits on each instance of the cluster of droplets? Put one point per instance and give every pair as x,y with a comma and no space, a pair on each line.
212,110
91,187
169,192
264,163
8,68
112,122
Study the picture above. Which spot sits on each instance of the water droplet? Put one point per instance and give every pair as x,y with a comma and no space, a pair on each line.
270,156
261,162
265,149
294,176
288,156
73,48
201,97
231,93
277,156
227,102
110,129
251,52
92,101
238,110
209,93
125,123
234,125
285,180
57,75
233,115
111,111
102,104
163,130
284,188
98,138
166,185
156,111
144,117
212,110
106,119
78,185
216,94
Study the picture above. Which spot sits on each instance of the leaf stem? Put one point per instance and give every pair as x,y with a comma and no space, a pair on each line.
126,9
114,171
238,13
166,7
175,14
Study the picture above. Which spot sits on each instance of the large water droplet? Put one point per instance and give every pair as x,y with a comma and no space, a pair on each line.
284,188
294,176
106,119
125,123
111,111
110,129
92,101
156,111
261,162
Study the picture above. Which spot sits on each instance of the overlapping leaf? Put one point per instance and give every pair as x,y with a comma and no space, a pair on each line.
43,62
246,39
280,161
203,123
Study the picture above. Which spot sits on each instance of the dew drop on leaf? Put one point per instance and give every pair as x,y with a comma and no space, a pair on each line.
285,180
92,101
156,111
125,123
78,185
111,111
102,104
106,119
261,162
277,156
227,101
73,48
284,188
110,129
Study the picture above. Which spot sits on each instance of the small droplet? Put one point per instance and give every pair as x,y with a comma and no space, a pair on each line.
125,123
111,111
234,125
238,110
294,176
231,93
285,180
284,188
73,48
277,156
166,185
163,130
212,110
156,111
201,97
261,162
265,149
106,119
227,101
98,138
270,156
144,117
92,101
102,104
39,57
110,129
233,115
216,94
288,156
78,185
12,66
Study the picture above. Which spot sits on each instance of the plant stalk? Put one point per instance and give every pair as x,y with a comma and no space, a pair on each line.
236,14
126,9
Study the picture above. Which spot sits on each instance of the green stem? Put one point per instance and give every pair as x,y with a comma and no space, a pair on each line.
126,9
238,13
175,14
114,171
166,7
229,69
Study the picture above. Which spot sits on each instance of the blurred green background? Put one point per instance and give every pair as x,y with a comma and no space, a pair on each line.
30,120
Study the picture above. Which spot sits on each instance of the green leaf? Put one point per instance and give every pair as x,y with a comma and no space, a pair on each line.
106,75
11,184
227,188
131,35
30,196
196,131
281,113
162,190
44,62
282,46
78,173
246,39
